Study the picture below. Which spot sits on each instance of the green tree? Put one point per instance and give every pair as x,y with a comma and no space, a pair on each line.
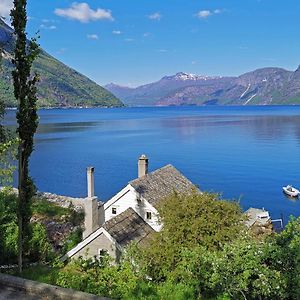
1,104
285,256
189,222
25,92
243,271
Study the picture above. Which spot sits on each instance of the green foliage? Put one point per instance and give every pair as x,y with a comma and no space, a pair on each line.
48,209
242,270
45,209
8,150
41,273
8,227
98,277
25,92
76,218
285,256
74,239
39,247
189,222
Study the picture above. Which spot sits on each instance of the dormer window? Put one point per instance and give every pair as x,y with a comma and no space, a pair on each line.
114,210
148,215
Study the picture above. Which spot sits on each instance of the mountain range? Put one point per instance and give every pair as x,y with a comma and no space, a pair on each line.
267,86
59,86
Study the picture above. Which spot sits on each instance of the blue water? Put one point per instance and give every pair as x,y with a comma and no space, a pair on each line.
245,153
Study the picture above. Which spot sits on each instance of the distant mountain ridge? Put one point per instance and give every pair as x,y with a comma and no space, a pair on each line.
59,86
266,86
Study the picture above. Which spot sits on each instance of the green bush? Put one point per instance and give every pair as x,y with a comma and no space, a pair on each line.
40,248
73,239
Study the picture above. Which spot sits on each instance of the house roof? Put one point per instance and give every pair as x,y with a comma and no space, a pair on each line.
161,183
256,215
122,229
127,227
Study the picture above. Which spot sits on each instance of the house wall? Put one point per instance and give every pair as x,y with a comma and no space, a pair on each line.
129,198
101,242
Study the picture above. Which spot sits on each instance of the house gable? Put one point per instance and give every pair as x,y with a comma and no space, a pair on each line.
100,239
129,198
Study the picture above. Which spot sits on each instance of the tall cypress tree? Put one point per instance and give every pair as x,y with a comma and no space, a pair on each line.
25,92
1,103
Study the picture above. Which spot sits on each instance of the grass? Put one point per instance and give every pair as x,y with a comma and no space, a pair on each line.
40,273
49,209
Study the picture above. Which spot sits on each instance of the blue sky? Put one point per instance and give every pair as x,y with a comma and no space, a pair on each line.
131,42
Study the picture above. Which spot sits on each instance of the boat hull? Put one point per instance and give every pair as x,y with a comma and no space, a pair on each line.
293,193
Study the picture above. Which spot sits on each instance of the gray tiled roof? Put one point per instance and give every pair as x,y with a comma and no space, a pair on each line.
161,183
127,227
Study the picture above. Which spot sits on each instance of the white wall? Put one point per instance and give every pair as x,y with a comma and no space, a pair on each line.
129,198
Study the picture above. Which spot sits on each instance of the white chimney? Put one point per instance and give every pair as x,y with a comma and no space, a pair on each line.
143,165
91,218
90,181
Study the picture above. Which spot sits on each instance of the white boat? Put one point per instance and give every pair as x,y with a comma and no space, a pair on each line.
291,191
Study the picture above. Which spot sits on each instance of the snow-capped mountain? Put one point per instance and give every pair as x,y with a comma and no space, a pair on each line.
263,86
192,77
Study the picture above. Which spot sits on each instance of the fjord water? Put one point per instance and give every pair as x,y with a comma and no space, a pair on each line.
245,153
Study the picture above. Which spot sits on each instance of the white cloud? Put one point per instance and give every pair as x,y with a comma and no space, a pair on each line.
83,13
203,14
117,32
156,16
51,27
92,37
129,40
162,50
49,21
217,11
5,7
146,34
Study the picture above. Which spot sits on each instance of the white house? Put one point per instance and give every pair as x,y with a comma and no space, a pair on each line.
135,204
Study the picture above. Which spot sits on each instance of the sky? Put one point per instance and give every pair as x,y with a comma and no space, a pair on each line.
132,42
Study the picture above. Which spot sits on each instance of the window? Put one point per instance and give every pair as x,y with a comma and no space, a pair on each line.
148,215
114,210
102,252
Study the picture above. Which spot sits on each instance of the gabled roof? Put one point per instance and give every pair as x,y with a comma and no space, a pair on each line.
161,183
120,230
128,227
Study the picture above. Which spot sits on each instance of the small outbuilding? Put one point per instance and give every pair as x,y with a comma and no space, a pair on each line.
113,237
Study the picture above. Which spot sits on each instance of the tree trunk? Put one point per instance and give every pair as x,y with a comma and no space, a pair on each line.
20,204
20,246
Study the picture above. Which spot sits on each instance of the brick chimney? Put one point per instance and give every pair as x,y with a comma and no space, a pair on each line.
91,211
143,166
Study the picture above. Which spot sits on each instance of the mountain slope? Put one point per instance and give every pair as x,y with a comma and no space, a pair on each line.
261,87
151,94
59,85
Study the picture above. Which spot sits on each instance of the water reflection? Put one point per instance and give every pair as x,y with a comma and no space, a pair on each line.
249,151
66,127
260,127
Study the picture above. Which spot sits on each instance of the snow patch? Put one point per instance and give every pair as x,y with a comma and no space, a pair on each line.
245,91
250,99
